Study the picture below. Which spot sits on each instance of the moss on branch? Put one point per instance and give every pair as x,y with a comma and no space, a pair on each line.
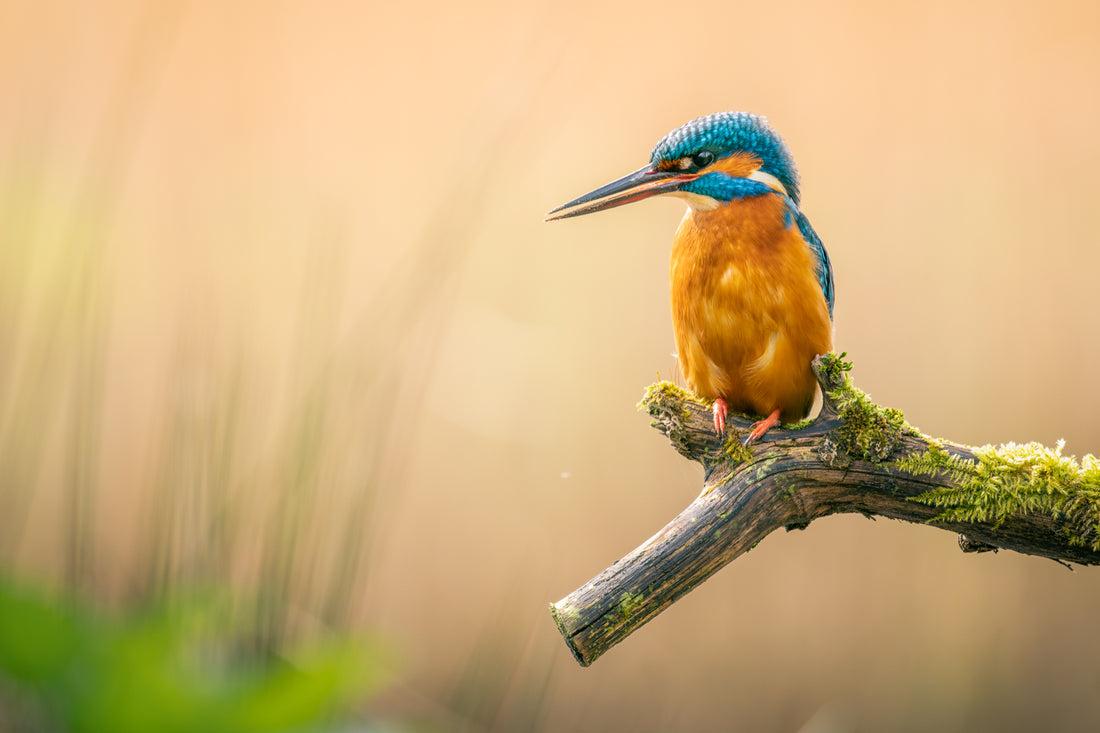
998,483
1015,479
870,431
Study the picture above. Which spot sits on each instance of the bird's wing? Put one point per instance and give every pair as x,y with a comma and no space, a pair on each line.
822,265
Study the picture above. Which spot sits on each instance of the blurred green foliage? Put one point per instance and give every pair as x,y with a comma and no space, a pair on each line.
173,668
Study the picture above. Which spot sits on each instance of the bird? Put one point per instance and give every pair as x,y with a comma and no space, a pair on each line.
750,281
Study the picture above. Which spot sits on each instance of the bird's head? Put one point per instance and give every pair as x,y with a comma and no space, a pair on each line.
709,161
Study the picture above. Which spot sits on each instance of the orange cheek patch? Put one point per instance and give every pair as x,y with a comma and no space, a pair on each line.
738,165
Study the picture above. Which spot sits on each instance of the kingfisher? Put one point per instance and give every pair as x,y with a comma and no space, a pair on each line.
751,283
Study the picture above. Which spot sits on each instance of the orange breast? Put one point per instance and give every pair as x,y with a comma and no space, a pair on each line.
747,310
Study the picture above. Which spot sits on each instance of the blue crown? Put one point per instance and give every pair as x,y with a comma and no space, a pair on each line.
725,133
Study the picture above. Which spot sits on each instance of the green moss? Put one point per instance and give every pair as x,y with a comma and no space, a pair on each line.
870,431
803,423
628,603
663,394
764,468
735,452
569,613
834,370
1014,480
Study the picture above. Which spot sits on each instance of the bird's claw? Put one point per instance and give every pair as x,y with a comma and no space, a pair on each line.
720,411
760,427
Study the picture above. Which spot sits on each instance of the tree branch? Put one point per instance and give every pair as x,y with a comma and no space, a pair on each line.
856,456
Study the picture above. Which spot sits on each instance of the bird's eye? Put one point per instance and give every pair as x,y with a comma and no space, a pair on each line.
702,159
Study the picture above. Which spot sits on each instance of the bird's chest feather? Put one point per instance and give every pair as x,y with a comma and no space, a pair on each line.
738,265
744,296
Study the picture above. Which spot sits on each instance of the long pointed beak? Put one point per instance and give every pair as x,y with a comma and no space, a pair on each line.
641,184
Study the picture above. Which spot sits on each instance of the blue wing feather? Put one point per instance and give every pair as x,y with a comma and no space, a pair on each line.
823,267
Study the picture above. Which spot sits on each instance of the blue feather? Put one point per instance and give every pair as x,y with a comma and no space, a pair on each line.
725,133
725,188
822,266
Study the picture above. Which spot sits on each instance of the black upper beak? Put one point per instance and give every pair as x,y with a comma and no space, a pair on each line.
641,184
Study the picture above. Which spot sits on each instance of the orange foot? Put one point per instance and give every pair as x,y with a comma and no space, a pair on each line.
762,426
720,411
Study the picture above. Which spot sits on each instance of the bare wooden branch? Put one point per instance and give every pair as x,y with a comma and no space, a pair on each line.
787,480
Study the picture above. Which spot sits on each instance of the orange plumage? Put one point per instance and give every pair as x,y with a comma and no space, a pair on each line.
748,312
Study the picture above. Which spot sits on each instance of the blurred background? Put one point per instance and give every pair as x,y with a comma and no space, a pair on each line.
279,319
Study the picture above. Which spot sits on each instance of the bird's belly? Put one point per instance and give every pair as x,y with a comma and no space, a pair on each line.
754,371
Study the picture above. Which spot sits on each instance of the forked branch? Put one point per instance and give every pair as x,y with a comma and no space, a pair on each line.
854,457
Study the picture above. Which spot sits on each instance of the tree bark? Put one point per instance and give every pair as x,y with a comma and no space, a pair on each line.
789,478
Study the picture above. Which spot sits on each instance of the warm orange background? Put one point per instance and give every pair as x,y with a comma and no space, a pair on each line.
330,216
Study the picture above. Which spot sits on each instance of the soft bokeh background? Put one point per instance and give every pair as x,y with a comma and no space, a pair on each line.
278,313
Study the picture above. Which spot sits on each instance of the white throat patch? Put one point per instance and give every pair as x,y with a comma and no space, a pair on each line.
768,180
698,201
